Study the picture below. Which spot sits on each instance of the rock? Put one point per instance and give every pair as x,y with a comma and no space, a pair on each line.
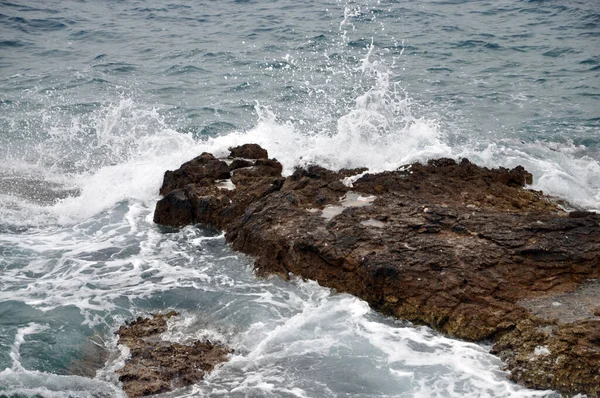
202,168
248,151
92,356
543,353
202,201
451,245
158,366
174,210
239,164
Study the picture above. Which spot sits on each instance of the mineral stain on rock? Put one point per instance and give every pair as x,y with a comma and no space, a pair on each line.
464,249
158,366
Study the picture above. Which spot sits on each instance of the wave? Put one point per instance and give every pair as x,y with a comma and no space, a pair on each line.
132,147
344,109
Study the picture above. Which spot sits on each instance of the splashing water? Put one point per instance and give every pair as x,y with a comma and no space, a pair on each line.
86,139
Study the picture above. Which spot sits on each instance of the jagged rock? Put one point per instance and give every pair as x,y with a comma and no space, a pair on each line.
248,151
174,210
452,245
239,164
204,168
158,366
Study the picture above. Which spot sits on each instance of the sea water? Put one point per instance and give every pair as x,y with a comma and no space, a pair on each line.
98,99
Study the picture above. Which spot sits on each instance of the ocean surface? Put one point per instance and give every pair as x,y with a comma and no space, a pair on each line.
99,98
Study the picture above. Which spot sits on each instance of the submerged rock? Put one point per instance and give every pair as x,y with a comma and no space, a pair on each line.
451,245
157,366
93,354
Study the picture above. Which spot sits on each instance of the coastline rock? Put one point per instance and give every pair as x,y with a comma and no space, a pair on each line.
248,151
202,169
451,245
157,366
174,210
564,356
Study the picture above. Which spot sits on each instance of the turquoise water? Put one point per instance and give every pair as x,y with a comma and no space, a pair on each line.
98,99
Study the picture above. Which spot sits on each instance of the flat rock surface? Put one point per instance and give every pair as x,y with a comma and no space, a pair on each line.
581,304
464,249
158,366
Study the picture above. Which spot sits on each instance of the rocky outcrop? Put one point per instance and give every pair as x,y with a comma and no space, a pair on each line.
204,169
451,245
249,151
157,366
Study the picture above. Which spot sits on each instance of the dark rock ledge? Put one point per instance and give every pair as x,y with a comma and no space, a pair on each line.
464,249
158,366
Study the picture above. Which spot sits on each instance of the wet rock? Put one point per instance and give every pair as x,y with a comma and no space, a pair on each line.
158,366
174,210
204,168
93,354
248,151
203,201
578,305
239,164
563,356
452,245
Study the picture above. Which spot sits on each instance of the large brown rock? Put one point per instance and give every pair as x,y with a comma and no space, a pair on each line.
195,193
174,210
248,151
158,366
204,168
452,245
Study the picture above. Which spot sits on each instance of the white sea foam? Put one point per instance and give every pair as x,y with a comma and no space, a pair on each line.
15,354
561,170
48,385
117,358
335,343
91,264
378,131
